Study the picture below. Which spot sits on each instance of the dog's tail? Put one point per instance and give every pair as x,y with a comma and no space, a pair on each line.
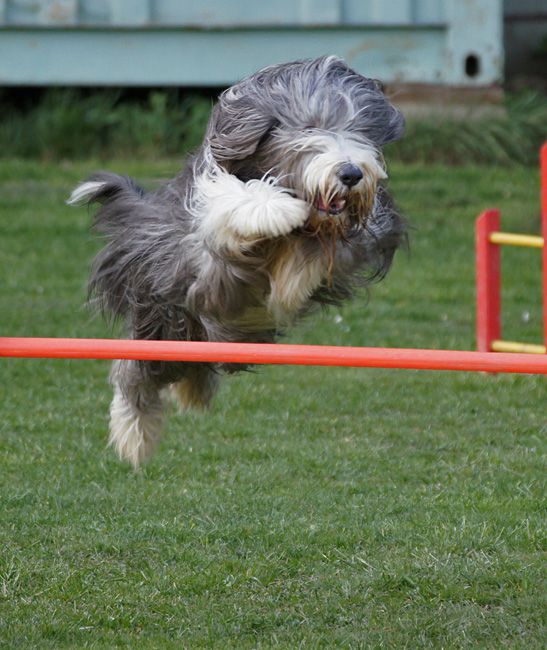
104,187
118,268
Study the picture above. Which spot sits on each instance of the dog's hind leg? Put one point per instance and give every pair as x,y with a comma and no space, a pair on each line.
196,389
136,413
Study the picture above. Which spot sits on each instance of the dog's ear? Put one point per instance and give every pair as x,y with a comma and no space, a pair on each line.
386,122
237,126
393,127
380,121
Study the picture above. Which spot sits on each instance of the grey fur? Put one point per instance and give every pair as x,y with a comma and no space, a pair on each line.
158,274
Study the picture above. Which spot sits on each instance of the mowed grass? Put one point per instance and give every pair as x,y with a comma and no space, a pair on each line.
312,507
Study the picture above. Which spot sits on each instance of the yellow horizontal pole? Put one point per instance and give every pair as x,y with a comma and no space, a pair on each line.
511,239
515,346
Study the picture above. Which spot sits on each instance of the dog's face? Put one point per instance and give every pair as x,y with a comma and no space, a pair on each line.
317,127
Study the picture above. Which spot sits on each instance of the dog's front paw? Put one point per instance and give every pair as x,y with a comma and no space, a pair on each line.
235,212
270,211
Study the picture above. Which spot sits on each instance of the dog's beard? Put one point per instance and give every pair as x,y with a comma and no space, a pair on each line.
335,208
331,218
340,210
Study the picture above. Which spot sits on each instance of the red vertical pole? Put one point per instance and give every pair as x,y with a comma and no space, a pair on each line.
487,280
543,169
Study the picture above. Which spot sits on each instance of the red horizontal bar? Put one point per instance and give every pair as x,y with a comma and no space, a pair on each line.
253,353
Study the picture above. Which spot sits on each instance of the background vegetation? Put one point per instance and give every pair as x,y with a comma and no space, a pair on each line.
78,124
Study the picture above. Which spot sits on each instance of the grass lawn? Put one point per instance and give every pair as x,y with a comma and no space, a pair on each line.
313,507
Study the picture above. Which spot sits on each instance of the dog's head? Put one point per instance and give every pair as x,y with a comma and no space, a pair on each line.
317,126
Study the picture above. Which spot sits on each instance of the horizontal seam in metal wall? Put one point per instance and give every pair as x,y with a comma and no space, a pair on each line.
4,27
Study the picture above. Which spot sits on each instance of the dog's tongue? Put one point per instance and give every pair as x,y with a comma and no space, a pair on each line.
334,207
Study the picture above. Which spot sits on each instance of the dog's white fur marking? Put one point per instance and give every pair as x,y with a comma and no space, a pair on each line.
293,280
84,192
133,433
232,211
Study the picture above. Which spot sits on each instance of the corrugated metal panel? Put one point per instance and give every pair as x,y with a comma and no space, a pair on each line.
208,59
206,42
41,12
216,13
374,12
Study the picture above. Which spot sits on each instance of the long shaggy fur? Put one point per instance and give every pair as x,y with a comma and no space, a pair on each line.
281,209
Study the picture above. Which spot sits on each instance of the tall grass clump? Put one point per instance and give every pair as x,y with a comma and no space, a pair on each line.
511,135
76,124
65,123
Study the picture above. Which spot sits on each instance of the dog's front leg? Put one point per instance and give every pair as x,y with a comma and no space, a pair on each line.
236,214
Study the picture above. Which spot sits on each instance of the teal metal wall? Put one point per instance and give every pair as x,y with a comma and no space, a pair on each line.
214,42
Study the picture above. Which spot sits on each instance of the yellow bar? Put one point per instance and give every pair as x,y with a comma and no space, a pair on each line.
511,239
514,346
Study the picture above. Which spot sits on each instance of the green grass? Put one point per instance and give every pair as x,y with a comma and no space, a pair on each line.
313,507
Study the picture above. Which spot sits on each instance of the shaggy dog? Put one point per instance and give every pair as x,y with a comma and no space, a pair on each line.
282,208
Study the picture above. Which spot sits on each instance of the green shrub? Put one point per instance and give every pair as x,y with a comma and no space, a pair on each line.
512,136
70,123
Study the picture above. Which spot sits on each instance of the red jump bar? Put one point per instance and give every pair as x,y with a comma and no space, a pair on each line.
254,353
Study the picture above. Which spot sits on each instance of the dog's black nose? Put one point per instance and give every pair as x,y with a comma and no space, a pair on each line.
350,174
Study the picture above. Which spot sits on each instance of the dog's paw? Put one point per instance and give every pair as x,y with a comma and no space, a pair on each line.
234,211
271,211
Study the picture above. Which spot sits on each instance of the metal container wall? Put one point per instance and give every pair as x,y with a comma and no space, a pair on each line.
215,42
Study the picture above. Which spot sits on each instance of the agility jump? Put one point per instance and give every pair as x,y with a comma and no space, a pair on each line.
510,357
489,238
259,353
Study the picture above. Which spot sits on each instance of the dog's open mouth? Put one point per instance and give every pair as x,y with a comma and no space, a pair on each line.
335,206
